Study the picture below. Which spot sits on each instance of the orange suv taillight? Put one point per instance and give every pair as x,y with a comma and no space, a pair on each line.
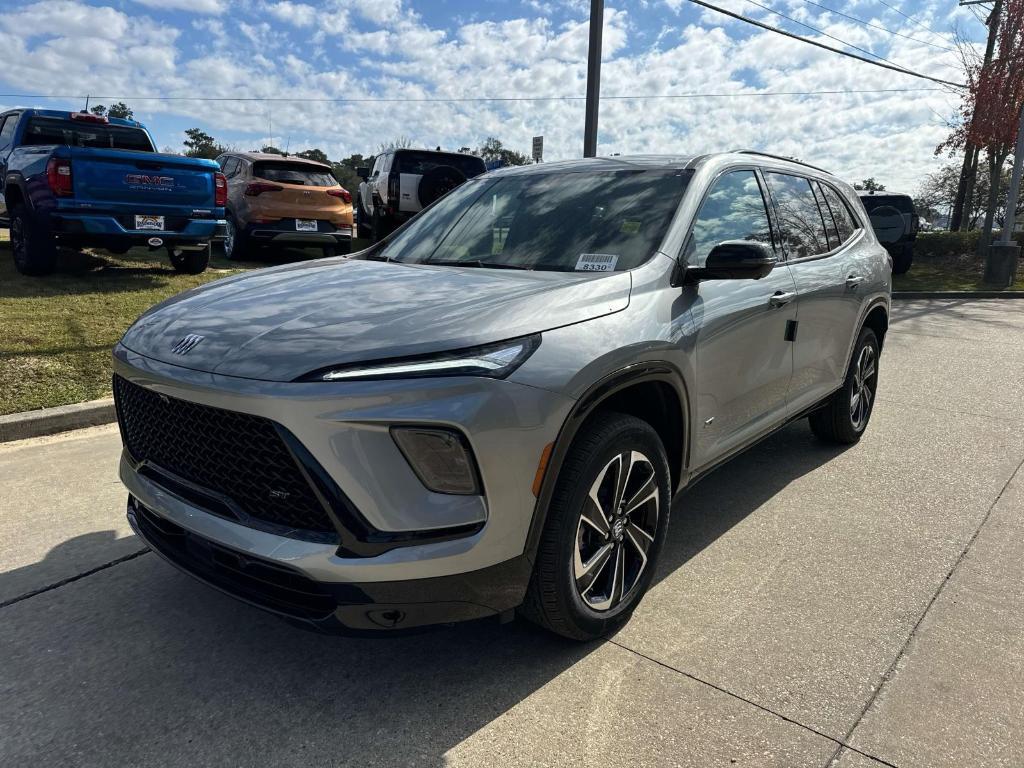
341,192
259,187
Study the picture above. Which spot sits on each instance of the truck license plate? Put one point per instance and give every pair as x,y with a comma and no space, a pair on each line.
305,225
149,222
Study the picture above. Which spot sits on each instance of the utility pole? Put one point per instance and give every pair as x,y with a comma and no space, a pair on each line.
1001,264
593,77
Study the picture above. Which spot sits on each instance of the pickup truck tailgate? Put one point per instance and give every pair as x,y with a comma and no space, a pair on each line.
147,180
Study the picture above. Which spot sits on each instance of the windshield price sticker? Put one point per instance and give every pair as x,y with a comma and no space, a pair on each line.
597,262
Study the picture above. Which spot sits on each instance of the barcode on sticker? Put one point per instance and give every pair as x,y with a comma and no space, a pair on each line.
597,262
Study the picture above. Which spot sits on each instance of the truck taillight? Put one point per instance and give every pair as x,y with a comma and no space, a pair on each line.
259,187
393,192
341,192
58,177
220,190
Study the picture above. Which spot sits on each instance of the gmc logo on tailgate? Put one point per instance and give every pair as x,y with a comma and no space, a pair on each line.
137,179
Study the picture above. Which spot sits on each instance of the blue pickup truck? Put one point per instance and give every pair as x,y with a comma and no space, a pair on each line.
78,179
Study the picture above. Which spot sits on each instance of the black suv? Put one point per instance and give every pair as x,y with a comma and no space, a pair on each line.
896,224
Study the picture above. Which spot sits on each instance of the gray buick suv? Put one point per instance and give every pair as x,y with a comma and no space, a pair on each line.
492,409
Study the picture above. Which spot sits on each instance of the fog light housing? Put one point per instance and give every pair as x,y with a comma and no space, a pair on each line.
441,459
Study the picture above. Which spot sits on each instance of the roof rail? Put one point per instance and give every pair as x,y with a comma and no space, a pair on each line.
779,157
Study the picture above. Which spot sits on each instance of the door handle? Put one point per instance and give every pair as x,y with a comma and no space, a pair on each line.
853,281
780,299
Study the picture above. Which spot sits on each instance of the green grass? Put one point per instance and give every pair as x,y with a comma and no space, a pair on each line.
56,332
954,273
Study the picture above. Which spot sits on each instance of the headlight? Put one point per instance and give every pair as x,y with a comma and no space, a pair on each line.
495,361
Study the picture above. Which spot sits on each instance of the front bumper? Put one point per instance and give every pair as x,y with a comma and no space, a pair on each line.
373,607
345,429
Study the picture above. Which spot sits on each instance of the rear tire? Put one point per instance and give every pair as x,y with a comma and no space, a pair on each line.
902,260
845,417
33,246
597,557
235,241
189,262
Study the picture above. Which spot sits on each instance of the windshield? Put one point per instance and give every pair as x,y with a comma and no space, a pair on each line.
421,162
568,222
294,173
48,130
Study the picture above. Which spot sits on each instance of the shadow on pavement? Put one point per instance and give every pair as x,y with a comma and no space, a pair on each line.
139,664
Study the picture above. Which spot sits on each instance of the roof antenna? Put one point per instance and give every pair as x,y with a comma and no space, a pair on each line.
86,103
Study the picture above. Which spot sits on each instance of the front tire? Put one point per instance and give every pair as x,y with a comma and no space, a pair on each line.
235,241
189,262
604,529
33,246
845,417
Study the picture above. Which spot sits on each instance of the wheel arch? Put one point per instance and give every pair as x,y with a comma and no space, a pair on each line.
655,392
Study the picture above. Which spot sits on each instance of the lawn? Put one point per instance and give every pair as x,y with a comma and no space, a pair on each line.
953,273
56,332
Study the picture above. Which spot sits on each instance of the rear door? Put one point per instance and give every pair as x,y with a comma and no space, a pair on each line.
819,263
744,362
8,123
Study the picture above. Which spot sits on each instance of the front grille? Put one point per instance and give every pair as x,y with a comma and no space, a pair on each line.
236,456
266,584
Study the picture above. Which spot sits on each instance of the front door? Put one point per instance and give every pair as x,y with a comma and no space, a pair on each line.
743,359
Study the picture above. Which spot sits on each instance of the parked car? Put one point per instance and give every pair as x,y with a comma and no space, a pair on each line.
403,182
277,200
896,225
493,408
77,179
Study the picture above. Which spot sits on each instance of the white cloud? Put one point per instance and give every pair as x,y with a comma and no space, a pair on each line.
213,7
377,11
298,14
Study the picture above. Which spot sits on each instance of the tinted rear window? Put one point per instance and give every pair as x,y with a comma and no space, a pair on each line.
293,173
901,203
421,162
48,130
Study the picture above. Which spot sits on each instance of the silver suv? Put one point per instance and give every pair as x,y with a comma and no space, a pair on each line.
493,408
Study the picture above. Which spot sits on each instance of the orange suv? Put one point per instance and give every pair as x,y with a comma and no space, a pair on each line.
276,200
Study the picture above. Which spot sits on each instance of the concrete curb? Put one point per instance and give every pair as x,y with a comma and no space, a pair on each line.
48,421
958,294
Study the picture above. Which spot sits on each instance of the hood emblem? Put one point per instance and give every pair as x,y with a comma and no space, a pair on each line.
186,344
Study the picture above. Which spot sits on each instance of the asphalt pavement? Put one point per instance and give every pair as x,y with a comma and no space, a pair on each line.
813,607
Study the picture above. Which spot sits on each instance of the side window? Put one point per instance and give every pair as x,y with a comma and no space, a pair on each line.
7,130
803,229
834,240
845,223
733,210
231,167
378,163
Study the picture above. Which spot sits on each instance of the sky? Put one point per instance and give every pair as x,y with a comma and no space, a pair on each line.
396,61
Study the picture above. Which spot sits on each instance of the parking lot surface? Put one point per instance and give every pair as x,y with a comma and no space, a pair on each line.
813,607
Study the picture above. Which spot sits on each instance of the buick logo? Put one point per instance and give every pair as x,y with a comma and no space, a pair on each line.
185,346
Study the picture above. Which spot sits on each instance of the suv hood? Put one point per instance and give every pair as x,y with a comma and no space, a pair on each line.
281,323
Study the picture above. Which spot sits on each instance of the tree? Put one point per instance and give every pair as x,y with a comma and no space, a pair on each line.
345,171
120,109
869,185
198,143
99,110
402,142
270,149
317,155
493,150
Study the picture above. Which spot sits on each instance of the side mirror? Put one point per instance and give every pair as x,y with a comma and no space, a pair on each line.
735,260
363,172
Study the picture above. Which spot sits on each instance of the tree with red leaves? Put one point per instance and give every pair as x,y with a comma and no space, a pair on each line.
992,105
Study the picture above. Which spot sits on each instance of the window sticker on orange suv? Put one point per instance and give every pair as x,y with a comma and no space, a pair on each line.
597,262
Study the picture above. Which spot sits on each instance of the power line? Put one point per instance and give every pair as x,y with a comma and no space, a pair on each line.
879,27
922,25
441,100
893,67
822,32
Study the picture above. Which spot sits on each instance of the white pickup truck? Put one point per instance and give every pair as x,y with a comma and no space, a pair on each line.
403,182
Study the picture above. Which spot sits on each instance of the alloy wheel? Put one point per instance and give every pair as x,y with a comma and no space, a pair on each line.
864,381
18,239
616,530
